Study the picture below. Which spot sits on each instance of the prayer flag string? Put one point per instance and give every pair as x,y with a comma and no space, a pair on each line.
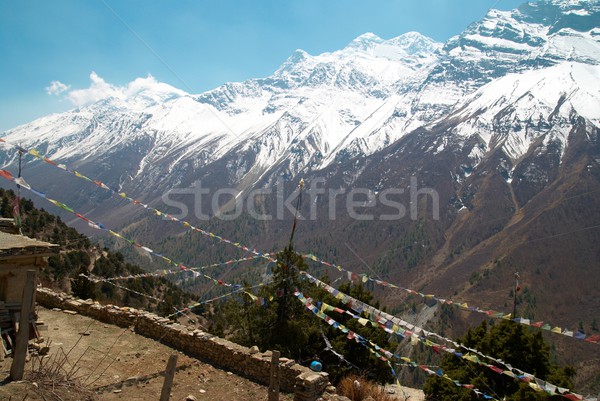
38,155
515,373
393,325
97,225
579,335
162,273
379,352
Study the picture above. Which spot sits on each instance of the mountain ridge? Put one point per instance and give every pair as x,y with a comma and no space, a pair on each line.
499,120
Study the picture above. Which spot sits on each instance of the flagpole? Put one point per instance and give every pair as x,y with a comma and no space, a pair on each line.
300,187
18,200
282,312
517,288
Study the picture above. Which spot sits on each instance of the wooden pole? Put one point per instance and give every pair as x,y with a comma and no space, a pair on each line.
517,288
169,375
274,382
20,352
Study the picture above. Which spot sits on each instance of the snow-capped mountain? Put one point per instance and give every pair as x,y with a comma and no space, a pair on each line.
315,110
503,121
307,107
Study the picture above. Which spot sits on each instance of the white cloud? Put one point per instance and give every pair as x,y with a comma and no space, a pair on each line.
56,88
99,89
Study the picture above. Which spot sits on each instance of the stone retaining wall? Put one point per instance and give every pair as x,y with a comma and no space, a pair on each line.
304,383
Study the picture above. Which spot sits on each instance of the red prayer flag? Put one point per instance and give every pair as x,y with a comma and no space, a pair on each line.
593,339
6,174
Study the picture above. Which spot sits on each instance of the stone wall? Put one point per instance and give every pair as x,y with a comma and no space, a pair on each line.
304,383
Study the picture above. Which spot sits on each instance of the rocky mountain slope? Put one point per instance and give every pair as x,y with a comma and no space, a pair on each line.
501,121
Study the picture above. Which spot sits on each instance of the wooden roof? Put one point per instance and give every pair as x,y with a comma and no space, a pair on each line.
12,245
8,226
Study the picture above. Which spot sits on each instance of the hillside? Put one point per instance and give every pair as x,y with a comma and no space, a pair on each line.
441,167
81,255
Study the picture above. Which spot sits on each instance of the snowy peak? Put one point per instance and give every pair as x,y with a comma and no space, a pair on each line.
414,43
400,48
579,15
536,35
531,26
365,42
517,110
317,111
364,64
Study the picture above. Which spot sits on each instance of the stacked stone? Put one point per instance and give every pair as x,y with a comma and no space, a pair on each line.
248,362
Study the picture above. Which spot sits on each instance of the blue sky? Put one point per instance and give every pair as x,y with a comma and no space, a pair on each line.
194,45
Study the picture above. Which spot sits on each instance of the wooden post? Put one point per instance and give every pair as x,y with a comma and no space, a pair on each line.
169,375
274,382
517,288
20,351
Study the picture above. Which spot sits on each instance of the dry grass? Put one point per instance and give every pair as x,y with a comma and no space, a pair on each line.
358,389
55,378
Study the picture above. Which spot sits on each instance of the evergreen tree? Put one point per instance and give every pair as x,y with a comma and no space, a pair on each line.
82,287
283,323
516,345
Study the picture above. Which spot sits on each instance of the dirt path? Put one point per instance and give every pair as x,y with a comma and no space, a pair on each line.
126,366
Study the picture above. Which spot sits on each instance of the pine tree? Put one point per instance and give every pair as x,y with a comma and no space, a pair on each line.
285,325
516,345
82,287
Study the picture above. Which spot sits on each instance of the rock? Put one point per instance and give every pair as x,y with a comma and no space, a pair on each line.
191,398
202,391
85,333
310,380
254,350
70,312
330,389
44,350
117,391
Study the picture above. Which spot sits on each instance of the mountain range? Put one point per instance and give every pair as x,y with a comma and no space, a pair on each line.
502,121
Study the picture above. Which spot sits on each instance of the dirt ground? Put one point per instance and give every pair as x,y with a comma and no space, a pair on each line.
118,365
